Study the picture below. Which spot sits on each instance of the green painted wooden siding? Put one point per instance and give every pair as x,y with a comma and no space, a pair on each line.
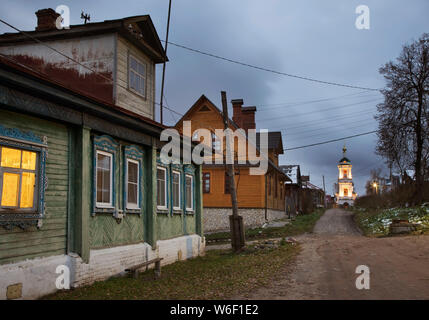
51,238
104,230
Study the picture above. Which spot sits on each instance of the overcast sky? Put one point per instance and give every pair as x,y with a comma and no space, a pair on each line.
316,39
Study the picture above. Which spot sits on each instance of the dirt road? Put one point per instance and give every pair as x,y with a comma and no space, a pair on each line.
325,269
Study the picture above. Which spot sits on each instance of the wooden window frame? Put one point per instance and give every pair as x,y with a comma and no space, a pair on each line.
132,56
204,182
104,204
176,172
165,206
27,141
189,209
19,171
132,206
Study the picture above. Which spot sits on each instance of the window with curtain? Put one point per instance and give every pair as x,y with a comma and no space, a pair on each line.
176,190
161,183
189,193
18,170
133,178
104,163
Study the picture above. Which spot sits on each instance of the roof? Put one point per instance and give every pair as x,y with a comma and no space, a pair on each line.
274,141
139,30
10,65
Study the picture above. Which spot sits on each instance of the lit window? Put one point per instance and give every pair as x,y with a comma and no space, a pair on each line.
104,179
176,190
18,176
189,193
133,178
137,76
345,174
161,183
346,192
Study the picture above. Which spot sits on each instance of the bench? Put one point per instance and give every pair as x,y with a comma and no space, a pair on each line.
134,270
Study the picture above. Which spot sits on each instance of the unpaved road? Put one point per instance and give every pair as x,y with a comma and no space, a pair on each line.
325,268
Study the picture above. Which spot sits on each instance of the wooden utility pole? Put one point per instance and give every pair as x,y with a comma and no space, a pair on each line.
163,68
324,193
235,221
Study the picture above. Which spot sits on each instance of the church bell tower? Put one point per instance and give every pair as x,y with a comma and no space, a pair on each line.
345,194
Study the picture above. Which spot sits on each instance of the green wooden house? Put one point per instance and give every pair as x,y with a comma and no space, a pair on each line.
81,181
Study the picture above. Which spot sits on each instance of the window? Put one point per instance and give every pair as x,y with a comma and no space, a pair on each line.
18,179
206,182
176,190
344,173
189,193
137,76
104,184
133,178
215,143
227,184
161,188
346,192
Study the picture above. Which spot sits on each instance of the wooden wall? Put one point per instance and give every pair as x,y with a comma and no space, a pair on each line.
126,98
51,239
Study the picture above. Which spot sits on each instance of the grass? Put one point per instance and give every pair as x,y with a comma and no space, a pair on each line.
301,224
217,275
375,222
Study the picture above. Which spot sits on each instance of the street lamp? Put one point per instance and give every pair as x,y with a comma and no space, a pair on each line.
375,186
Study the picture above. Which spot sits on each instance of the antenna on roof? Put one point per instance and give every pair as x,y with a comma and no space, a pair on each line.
85,16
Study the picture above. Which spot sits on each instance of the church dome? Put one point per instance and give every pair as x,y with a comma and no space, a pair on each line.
345,160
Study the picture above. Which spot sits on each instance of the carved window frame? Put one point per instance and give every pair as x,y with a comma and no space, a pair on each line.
106,144
24,218
135,154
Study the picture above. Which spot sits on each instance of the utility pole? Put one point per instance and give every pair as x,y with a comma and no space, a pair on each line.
163,68
235,221
324,192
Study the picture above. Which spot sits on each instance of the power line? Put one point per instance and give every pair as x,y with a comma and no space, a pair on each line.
319,110
329,141
362,94
271,70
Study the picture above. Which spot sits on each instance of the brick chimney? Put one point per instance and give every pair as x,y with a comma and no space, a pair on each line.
236,111
46,19
244,117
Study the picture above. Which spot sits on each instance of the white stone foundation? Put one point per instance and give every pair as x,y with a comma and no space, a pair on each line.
38,276
217,219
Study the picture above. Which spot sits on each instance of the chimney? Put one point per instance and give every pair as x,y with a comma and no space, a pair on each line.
236,111
248,118
46,19
244,117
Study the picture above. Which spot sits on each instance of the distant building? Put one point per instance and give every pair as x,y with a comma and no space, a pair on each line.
293,188
345,194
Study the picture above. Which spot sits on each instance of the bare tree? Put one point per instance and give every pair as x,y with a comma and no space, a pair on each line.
403,116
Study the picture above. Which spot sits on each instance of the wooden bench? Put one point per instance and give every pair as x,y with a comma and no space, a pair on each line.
134,270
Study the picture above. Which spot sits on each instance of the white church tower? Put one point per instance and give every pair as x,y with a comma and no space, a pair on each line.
345,194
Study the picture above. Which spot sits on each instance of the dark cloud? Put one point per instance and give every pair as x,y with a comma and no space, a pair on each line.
309,38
